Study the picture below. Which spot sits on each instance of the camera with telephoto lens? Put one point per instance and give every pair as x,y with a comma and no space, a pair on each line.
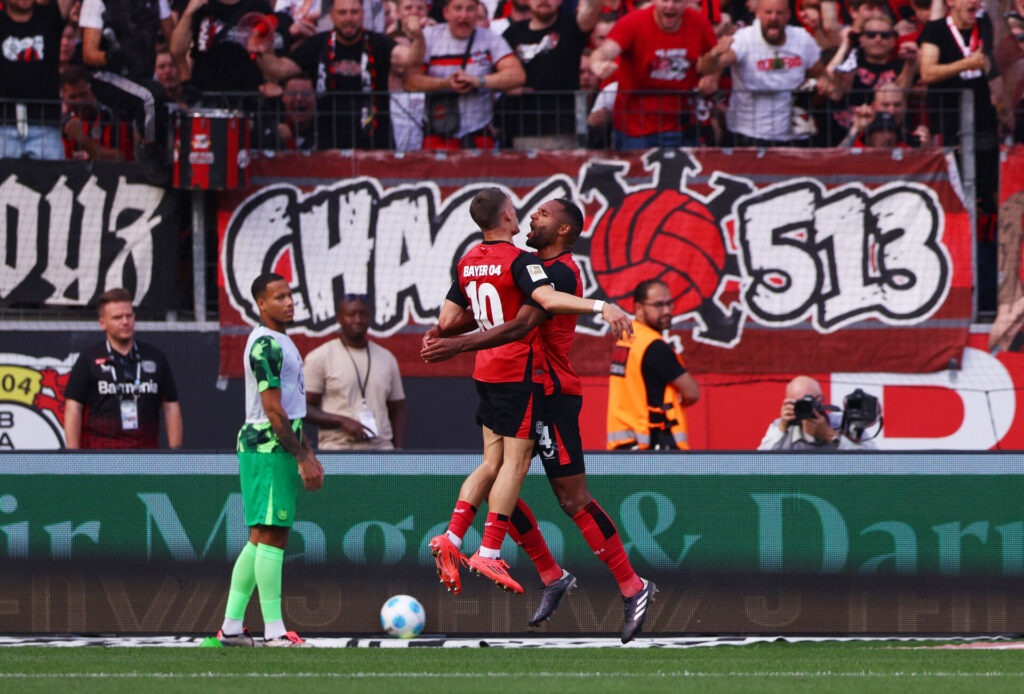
807,407
860,411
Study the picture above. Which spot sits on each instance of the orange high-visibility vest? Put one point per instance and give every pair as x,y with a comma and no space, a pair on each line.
630,419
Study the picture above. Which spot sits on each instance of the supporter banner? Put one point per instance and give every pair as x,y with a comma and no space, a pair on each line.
71,231
780,260
756,513
1006,329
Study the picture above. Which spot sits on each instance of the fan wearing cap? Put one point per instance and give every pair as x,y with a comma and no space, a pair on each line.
806,423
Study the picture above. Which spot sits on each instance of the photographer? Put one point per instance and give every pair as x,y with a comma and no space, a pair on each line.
808,424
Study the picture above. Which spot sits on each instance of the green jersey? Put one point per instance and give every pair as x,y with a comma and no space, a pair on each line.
271,361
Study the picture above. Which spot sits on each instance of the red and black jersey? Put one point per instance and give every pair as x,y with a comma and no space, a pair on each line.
495,278
557,332
102,378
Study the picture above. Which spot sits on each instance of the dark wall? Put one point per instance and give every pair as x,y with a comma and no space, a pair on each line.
440,409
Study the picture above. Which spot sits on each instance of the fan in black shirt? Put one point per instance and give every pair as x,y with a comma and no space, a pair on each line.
549,45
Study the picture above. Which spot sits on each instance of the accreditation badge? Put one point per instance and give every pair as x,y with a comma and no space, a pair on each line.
367,419
129,415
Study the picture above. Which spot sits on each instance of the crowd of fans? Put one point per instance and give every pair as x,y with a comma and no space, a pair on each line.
408,75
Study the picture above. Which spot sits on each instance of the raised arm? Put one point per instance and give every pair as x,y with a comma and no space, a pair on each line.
587,13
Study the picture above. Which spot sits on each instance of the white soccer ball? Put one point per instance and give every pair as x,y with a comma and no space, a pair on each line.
402,616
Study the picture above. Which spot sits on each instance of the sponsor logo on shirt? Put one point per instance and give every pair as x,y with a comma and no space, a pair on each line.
669,64
529,51
27,49
143,388
782,62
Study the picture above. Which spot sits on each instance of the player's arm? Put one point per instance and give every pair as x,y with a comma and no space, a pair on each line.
554,301
173,423
398,419
310,470
325,420
73,423
528,318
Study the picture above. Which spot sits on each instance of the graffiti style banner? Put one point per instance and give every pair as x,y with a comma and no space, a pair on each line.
71,231
777,261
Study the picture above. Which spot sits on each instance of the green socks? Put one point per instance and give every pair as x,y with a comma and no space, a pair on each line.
243,582
269,561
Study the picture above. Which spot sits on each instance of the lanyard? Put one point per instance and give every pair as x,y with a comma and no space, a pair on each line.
133,353
975,41
361,381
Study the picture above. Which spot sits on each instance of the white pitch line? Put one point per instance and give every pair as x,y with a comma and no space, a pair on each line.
477,675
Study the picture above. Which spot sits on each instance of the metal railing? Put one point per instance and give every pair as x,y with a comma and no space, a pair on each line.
396,120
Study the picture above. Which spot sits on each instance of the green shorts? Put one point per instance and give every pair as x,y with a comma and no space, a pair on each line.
270,487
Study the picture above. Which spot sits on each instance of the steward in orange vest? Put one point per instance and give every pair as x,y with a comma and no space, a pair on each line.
649,385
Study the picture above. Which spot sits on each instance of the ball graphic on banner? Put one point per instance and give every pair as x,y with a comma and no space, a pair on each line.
665,235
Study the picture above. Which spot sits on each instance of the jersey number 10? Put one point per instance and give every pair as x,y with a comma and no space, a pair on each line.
486,304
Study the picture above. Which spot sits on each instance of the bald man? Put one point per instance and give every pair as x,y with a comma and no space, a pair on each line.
821,432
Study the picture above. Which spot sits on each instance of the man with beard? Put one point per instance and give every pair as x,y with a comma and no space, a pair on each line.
770,58
658,49
344,62
549,46
649,387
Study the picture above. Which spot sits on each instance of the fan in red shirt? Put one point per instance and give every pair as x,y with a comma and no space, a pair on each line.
658,48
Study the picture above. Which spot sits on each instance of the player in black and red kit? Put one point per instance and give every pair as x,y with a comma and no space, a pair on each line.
496,279
554,228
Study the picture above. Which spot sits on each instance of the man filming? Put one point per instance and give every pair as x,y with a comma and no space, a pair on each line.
808,424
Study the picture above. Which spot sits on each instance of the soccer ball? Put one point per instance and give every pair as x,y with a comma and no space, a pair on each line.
402,616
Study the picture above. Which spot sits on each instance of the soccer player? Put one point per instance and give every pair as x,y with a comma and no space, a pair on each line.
554,228
270,447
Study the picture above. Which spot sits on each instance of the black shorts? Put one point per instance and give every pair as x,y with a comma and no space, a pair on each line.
560,446
510,409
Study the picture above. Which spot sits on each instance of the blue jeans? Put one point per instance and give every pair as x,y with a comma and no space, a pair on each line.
41,142
670,138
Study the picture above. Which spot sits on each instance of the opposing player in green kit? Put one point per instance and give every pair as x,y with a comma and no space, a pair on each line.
273,455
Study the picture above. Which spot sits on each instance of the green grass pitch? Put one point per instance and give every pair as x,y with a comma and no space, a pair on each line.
858,667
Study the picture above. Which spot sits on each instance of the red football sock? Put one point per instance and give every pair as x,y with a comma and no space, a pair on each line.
462,518
494,531
600,533
522,528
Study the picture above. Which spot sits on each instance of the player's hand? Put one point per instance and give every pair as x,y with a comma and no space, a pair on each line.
354,428
442,349
429,338
617,320
311,472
